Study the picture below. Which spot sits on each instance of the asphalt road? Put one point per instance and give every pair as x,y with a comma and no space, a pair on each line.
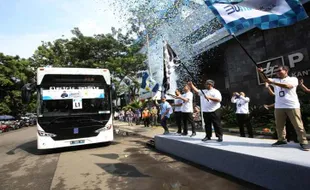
127,163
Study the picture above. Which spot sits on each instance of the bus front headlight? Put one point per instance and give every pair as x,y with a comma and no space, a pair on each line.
106,128
44,134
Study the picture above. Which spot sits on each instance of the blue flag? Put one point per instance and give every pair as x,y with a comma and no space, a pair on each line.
149,84
237,15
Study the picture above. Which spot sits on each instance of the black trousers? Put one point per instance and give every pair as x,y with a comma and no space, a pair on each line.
146,122
244,119
178,119
213,118
163,123
188,117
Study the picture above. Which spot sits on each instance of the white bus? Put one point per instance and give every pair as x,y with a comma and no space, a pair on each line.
74,107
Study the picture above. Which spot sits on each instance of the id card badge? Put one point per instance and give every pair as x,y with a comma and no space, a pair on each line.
281,93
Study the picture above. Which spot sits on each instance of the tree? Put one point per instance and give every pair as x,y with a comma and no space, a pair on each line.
15,73
115,51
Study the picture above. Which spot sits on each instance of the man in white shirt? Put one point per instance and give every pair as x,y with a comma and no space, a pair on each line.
178,111
242,113
286,105
210,105
187,109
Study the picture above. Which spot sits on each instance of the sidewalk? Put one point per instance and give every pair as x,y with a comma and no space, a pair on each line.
149,132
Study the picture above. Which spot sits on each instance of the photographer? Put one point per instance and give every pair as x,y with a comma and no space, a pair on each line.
242,112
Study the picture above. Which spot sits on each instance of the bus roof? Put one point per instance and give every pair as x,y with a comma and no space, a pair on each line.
41,71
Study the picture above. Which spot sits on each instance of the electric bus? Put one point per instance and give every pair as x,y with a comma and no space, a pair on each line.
74,107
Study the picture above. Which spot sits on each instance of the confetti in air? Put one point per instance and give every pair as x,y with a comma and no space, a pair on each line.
184,24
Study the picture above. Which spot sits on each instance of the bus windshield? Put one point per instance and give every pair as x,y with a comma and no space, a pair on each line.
65,95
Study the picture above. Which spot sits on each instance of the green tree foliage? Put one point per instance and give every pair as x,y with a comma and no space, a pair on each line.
113,51
15,72
116,52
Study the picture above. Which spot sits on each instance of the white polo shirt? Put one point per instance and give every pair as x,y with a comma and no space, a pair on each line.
242,104
178,108
187,107
210,106
286,98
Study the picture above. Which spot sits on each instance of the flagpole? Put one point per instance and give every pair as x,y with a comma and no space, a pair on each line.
247,53
190,74
148,53
245,50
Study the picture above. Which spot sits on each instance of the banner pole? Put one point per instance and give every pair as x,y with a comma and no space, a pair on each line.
247,53
245,50
190,74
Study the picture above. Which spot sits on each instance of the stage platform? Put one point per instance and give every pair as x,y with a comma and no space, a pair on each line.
252,160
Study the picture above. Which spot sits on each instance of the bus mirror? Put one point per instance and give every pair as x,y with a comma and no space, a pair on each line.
113,92
27,91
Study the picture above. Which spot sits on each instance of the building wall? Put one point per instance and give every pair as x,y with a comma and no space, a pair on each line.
289,43
233,70
227,63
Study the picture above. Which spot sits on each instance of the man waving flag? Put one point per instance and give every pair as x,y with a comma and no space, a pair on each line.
237,15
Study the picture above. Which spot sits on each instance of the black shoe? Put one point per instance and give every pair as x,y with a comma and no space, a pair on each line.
179,132
206,139
305,147
193,134
220,139
278,143
184,134
166,133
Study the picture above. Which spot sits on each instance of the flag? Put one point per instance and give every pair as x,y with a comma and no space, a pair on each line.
171,61
126,81
148,83
237,15
149,87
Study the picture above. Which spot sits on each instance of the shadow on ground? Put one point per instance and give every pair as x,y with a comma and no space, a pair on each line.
31,148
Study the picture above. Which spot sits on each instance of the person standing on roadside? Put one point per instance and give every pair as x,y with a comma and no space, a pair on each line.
130,115
154,115
146,117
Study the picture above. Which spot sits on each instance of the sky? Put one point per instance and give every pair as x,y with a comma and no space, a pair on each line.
26,23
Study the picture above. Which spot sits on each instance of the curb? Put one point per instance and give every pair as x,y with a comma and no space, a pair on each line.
119,130
269,134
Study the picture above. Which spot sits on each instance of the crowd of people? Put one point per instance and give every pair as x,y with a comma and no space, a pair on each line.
149,116
286,110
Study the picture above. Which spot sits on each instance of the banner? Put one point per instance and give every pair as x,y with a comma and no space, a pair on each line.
237,15
58,94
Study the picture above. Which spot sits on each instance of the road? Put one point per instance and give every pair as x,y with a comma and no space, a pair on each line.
127,163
